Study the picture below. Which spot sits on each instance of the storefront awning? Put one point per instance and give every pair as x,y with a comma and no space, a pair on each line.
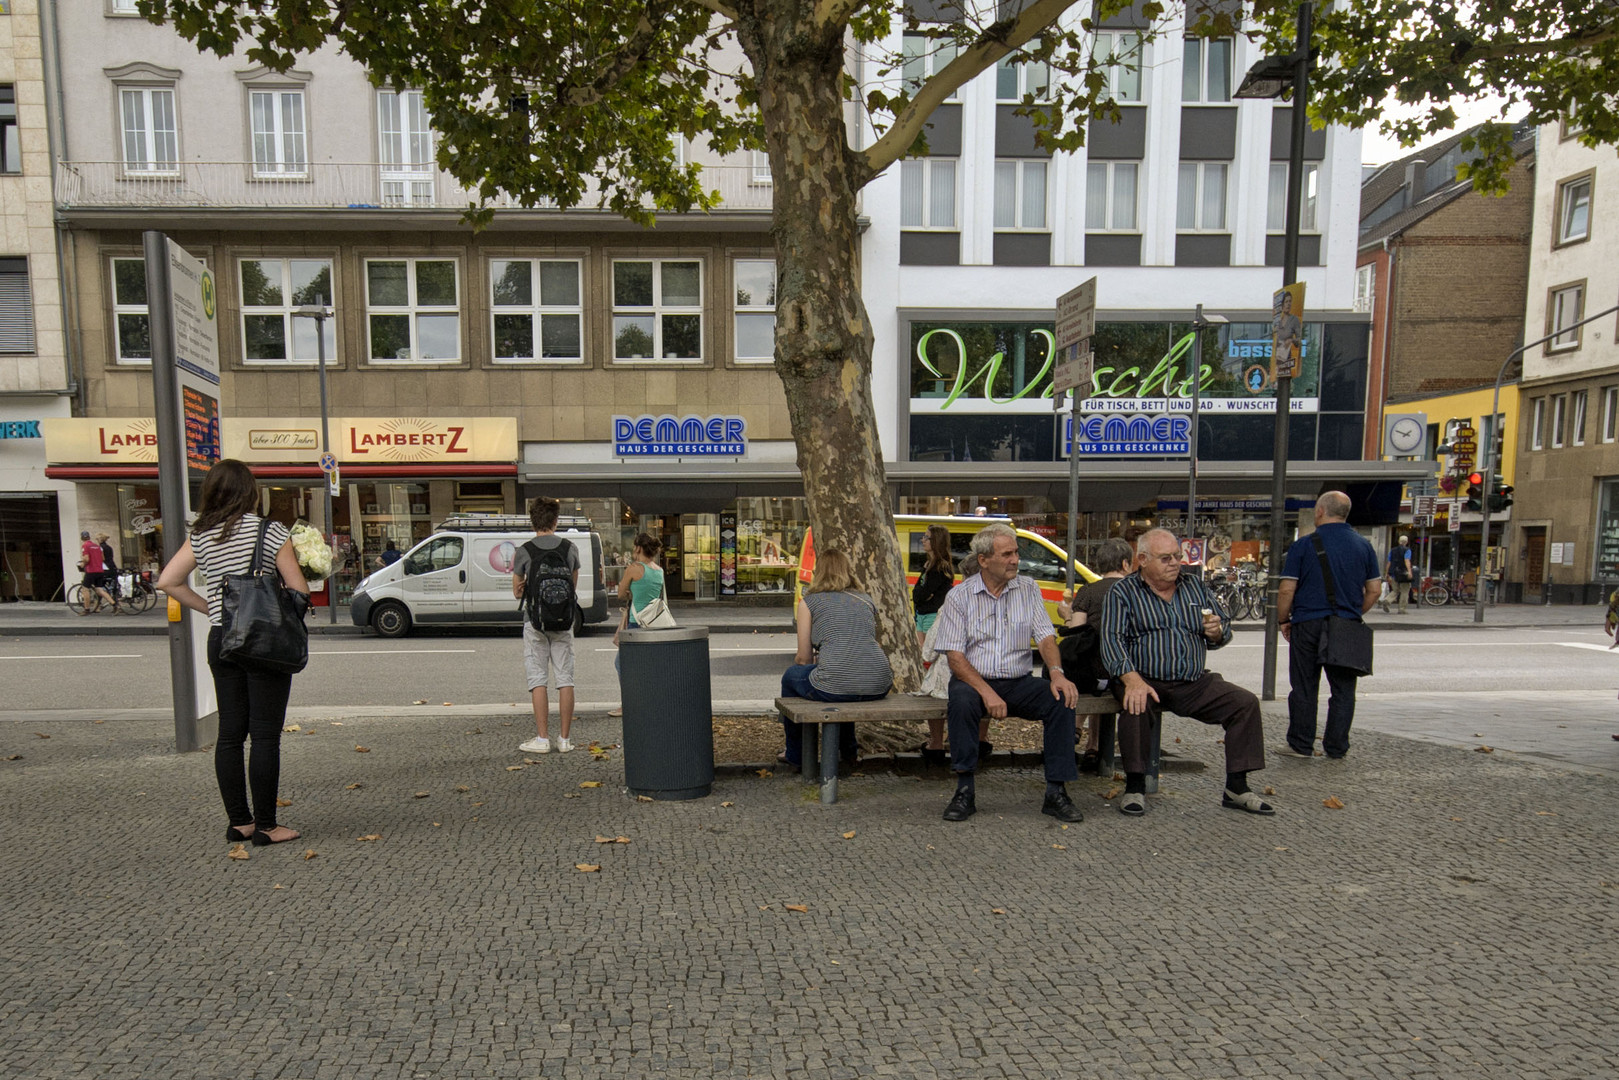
310,473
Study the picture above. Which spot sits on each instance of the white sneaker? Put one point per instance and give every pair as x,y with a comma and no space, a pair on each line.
536,745
563,746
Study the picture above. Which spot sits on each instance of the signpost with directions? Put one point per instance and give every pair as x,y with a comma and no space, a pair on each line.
1076,322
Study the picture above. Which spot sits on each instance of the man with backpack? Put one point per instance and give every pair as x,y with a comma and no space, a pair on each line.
545,580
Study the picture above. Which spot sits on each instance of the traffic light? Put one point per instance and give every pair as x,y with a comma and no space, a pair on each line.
1475,491
1501,497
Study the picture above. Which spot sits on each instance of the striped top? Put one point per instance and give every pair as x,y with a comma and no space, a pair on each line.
218,561
1157,638
843,632
993,632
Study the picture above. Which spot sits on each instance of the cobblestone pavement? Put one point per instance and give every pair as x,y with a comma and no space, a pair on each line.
1457,917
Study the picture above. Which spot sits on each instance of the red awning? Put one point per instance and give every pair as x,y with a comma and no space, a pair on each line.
311,473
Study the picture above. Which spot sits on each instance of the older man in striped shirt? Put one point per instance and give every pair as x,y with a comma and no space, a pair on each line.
984,628
1157,627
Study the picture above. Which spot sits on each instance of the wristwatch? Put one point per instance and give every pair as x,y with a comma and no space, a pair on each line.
1053,671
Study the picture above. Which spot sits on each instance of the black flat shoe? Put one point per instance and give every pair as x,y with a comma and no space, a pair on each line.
233,835
1090,762
1062,808
962,807
261,837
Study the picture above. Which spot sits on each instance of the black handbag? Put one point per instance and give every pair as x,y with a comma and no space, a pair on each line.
1345,643
261,620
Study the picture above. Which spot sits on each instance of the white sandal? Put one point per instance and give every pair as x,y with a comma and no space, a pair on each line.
1248,801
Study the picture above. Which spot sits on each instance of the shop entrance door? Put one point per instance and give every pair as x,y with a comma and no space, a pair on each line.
700,554
1534,570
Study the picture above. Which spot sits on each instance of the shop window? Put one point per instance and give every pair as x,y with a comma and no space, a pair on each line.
16,307
755,333
537,310
271,290
413,310
131,321
657,309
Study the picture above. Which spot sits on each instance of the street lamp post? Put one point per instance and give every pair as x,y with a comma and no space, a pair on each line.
320,313
1270,78
1200,323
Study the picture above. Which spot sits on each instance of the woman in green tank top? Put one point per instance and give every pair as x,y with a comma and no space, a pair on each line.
641,584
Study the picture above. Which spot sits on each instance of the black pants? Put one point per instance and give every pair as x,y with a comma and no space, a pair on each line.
251,703
1304,668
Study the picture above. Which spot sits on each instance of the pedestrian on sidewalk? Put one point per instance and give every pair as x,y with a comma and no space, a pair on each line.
548,601
1302,607
94,565
984,628
1399,573
641,584
935,581
1157,627
252,701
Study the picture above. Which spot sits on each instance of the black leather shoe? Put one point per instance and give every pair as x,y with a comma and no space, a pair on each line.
961,807
1062,808
1090,762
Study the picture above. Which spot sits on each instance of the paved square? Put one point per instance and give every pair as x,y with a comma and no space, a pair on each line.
1459,917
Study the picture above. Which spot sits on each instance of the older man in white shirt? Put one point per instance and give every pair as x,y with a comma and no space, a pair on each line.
985,628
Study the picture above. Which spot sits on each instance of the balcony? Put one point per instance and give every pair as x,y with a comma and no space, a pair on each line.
233,185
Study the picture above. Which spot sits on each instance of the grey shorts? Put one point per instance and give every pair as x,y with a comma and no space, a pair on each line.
545,652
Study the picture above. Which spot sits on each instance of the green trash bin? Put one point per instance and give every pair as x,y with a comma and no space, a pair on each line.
668,712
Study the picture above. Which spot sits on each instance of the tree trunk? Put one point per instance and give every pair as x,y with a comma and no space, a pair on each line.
823,336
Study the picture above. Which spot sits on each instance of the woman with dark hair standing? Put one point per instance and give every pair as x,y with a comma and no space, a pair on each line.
641,583
252,702
938,574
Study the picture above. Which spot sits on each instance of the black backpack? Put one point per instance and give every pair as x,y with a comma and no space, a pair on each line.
548,596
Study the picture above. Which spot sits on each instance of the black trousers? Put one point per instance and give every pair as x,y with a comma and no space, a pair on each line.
1304,668
1026,697
251,703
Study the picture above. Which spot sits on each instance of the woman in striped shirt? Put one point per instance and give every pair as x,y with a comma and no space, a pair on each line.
838,656
252,702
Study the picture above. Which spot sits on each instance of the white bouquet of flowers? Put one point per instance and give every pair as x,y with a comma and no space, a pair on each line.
314,556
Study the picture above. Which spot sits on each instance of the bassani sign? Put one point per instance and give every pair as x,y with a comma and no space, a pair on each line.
996,367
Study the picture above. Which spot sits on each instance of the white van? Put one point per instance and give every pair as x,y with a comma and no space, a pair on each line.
462,576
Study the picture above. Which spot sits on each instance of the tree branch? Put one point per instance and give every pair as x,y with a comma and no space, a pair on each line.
833,12
616,66
1473,52
971,61
723,10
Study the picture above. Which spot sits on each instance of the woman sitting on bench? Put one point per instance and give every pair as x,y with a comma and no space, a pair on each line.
838,656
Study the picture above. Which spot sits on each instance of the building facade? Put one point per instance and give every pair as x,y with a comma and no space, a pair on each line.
1565,545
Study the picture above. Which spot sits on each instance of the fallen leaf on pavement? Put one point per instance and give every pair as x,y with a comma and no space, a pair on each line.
1118,776
1177,738
283,802
14,757
354,786
764,907
435,824
590,783
419,701
462,788
477,804
604,839
516,768
644,798
727,804
1279,849
292,727
277,886
849,835
1332,802
337,723
1483,749
586,868
997,911
1060,847
1478,734
621,839
310,854
1458,819
802,908
41,734
764,774
369,837
1111,794
1544,813
238,852
362,749
447,704
421,795
1270,791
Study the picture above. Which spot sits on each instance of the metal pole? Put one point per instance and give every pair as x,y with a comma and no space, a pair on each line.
325,448
171,478
1073,485
1197,374
1490,462
1284,387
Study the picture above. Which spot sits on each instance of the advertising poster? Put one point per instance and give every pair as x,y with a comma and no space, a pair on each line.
728,553
1287,331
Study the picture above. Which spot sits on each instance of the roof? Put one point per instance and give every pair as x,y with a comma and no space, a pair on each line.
1393,179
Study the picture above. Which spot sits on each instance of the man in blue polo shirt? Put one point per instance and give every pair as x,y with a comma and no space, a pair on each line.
1302,610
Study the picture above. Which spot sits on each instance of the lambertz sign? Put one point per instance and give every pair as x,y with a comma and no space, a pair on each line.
669,436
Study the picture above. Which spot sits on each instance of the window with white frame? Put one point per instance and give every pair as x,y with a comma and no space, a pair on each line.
16,307
922,57
1537,424
405,148
271,290
927,193
1574,210
1014,81
1123,73
760,161
657,309
1565,306
151,137
1365,283
1020,195
413,310
125,7
1610,413
1276,205
132,321
1559,418
1110,196
538,312
10,134
1206,70
1576,422
1200,204
280,146
755,289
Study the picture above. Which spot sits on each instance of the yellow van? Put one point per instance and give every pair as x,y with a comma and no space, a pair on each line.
1038,557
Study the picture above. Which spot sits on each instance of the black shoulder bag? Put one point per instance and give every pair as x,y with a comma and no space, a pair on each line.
261,620
1345,643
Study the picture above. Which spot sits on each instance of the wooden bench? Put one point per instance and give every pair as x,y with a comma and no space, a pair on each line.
909,708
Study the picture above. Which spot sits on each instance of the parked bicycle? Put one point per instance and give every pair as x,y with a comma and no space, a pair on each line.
1439,590
133,594
1243,595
